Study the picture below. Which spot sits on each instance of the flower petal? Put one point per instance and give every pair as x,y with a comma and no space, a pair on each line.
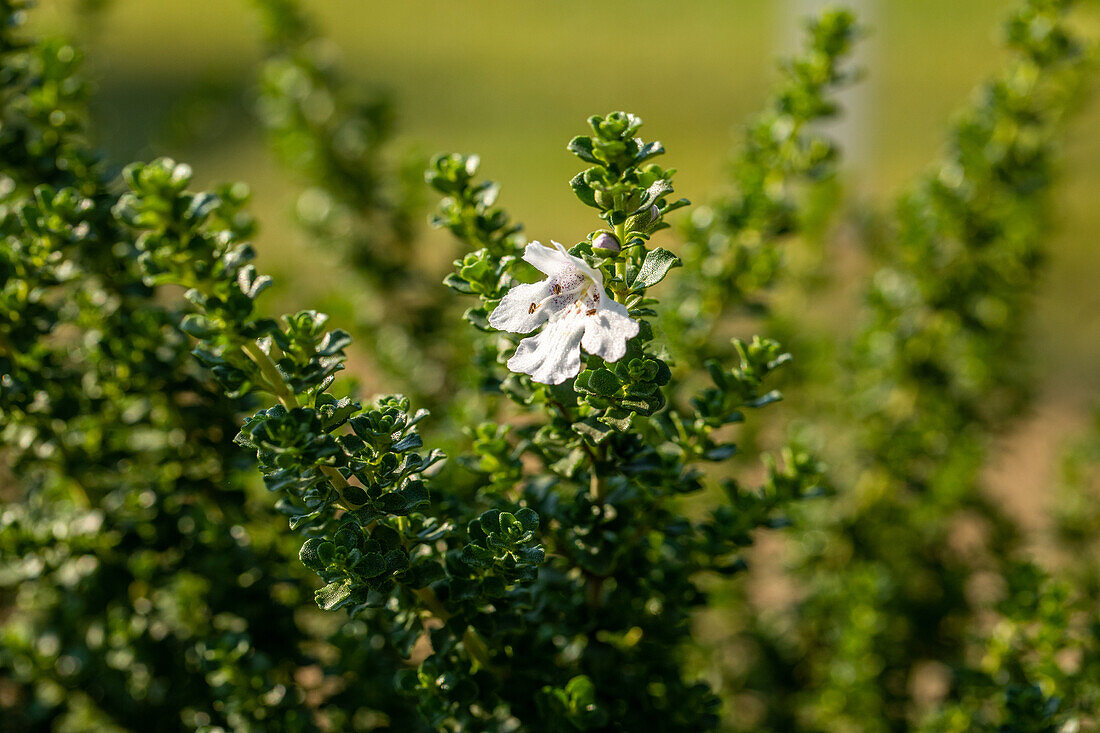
608,329
553,355
515,312
547,260
594,275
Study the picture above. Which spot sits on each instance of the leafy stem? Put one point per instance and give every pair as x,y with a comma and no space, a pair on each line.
278,387
598,485
475,645
620,288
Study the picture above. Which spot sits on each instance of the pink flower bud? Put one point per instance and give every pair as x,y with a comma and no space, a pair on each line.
605,242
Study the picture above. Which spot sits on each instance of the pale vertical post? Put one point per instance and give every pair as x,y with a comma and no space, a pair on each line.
852,129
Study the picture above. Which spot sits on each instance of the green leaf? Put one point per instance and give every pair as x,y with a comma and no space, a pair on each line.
394,503
531,555
197,326
409,442
252,284
618,419
416,494
581,146
529,518
656,266
333,595
764,400
423,573
478,316
355,495
604,382
721,452
371,565
511,526
299,519
654,192
649,150
310,556
385,536
581,691
201,206
584,191
334,342
326,551
349,536
593,429
477,556
568,466
397,560
456,283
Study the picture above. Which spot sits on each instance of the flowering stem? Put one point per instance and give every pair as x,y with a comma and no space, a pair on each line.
593,583
286,397
620,263
596,486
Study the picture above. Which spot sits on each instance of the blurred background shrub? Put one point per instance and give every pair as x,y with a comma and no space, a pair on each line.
510,81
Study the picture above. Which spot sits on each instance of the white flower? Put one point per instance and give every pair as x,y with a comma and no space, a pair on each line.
577,312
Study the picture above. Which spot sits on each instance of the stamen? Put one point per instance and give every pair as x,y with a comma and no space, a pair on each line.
591,312
534,307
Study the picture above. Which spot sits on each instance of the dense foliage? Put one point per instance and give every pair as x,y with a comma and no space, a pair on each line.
604,484
937,370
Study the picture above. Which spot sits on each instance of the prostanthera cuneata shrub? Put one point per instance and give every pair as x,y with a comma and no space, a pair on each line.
557,596
546,576
610,596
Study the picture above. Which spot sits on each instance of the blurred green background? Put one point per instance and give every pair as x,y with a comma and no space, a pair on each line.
513,81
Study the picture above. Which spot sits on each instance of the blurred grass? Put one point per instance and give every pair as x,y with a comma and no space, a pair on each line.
514,81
